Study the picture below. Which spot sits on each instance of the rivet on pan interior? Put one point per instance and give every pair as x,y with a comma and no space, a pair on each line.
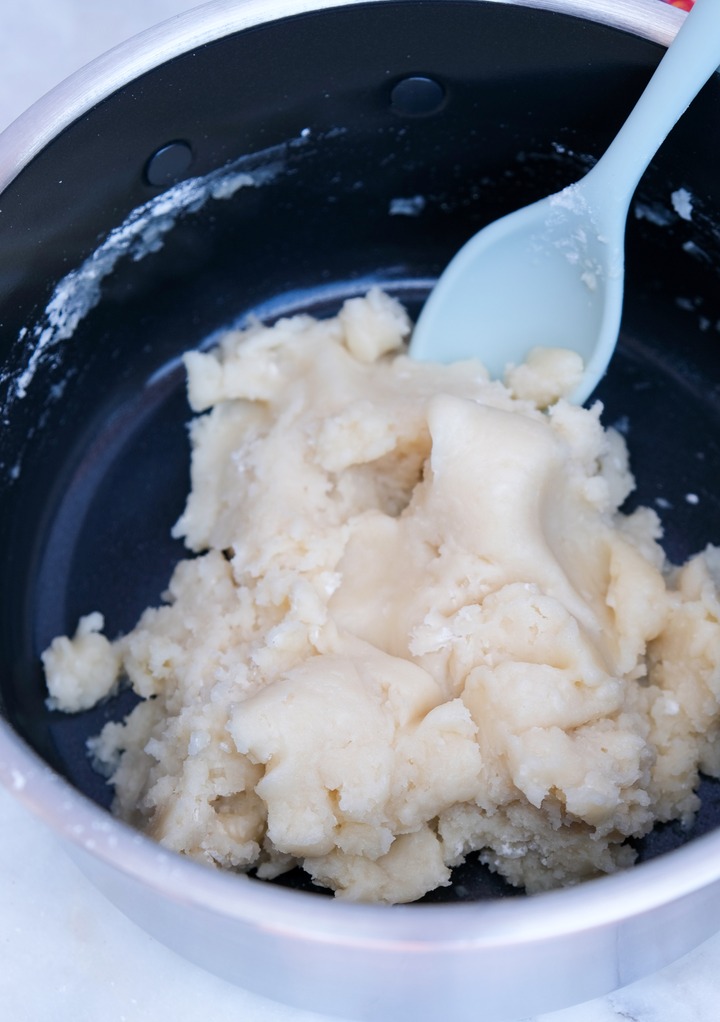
168,164
417,96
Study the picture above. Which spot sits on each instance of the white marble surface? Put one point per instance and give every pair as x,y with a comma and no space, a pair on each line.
66,954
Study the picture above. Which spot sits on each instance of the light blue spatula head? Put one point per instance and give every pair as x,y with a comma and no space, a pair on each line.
552,274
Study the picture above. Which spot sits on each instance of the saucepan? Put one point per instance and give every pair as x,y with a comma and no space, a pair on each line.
377,135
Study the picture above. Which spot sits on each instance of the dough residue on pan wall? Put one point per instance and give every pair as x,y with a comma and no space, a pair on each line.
416,626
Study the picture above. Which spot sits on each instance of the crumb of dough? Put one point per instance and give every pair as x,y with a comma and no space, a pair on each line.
83,669
546,375
417,626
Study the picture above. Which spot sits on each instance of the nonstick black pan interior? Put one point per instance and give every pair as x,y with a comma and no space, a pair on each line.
475,108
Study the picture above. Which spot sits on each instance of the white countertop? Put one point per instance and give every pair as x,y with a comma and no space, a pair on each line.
66,954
